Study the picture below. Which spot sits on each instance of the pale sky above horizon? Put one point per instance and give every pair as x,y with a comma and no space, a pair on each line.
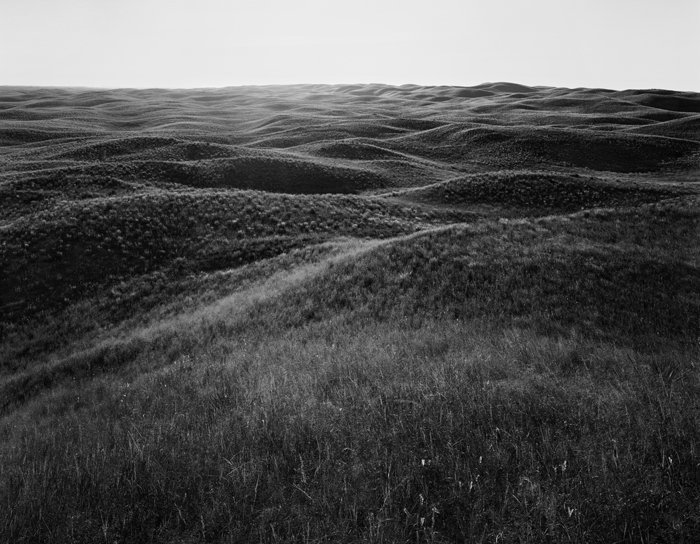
616,44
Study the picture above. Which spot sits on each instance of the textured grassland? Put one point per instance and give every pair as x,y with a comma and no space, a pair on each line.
444,432
349,314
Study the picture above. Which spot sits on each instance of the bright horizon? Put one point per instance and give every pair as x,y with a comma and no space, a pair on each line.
616,44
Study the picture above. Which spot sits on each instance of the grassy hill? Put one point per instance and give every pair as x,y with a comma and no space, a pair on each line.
358,313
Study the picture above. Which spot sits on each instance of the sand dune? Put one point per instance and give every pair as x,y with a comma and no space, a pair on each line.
317,313
67,154
537,192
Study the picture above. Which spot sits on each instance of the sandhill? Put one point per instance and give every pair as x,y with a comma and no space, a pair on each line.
537,193
352,313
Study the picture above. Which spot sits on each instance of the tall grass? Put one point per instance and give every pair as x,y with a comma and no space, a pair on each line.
451,431
524,380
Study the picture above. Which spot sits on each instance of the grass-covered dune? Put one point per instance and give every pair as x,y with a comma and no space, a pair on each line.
536,193
359,313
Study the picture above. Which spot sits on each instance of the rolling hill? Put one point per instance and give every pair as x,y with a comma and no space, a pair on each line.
349,313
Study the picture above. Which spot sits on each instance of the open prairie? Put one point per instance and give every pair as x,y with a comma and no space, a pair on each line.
350,313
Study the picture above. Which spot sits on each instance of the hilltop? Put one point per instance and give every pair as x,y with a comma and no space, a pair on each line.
349,313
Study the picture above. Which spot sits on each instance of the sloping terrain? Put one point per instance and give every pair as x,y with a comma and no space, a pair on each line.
360,313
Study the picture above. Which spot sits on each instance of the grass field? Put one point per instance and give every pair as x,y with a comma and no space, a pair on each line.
349,314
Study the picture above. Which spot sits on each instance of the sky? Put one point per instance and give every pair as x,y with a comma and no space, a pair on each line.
615,44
